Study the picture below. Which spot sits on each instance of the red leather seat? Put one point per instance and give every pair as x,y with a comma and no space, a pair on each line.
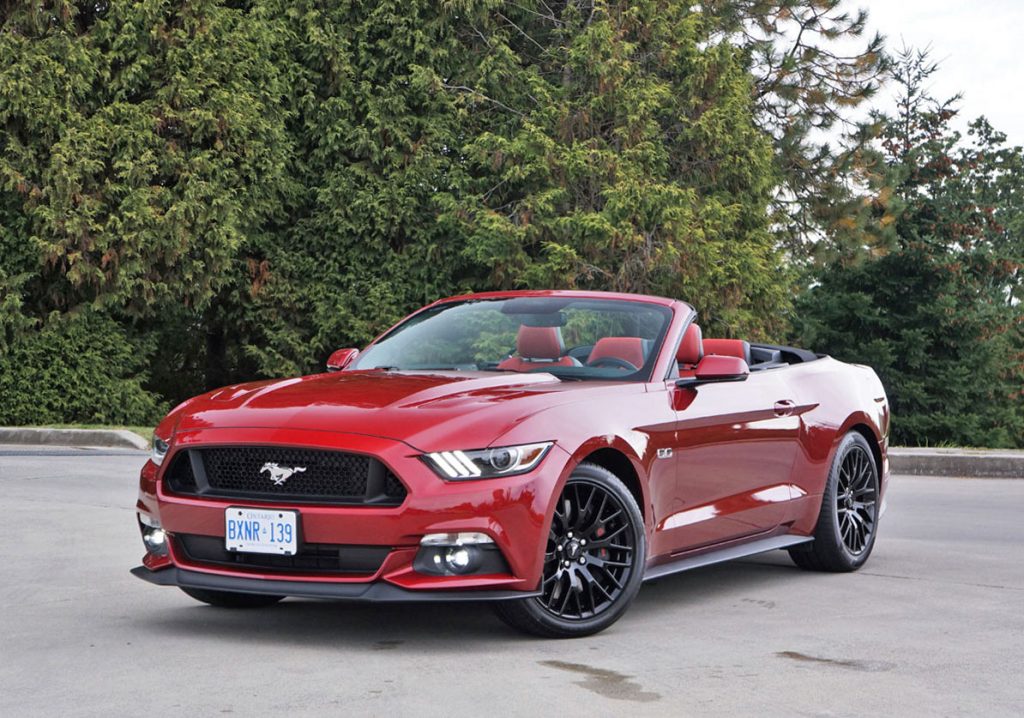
691,348
728,347
630,349
536,348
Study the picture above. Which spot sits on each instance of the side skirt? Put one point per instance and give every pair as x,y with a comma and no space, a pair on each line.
725,554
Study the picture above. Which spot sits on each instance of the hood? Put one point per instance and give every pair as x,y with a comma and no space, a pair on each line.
423,409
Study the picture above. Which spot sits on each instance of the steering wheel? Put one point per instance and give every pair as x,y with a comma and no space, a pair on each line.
615,362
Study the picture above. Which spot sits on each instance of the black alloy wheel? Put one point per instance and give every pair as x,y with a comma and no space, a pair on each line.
857,500
848,521
593,561
589,554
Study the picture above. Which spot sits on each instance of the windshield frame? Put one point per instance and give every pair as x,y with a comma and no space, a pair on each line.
642,375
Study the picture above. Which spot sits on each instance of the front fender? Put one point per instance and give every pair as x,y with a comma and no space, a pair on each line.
633,422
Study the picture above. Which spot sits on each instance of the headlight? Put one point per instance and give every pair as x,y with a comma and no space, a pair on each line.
487,463
160,448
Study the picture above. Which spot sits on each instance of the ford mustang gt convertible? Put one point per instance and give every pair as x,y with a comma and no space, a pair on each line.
547,451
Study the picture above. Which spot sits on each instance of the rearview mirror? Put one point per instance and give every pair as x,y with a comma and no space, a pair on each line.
714,368
341,359
554,319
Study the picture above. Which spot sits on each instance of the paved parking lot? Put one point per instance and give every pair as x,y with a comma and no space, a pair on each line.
934,625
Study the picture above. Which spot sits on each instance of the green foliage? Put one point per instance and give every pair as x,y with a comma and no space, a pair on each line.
947,360
939,315
78,367
615,147
142,143
223,190
142,146
812,68
405,117
363,245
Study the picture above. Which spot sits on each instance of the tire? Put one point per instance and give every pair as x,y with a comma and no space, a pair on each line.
228,599
593,562
848,521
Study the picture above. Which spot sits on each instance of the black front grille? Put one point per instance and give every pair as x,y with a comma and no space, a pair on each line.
290,474
311,558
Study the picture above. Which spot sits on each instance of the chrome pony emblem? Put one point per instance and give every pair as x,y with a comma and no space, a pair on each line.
280,474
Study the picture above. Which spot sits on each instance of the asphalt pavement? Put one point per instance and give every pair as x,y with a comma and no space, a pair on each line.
932,626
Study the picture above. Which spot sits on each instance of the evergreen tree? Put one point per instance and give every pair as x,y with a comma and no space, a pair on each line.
813,71
142,142
472,146
206,192
142,145
612,145
376,143
939,316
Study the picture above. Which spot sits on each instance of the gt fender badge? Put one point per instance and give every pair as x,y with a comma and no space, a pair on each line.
280,474
664,453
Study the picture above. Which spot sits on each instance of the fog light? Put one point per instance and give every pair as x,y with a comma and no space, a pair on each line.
153,536
155,540
449,560
459,554
459,559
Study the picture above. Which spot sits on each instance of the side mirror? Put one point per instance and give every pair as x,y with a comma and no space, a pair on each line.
714,368
341,359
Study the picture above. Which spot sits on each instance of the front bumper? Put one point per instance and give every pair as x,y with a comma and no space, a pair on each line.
512,511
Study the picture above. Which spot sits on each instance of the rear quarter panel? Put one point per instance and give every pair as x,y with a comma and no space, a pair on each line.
834,398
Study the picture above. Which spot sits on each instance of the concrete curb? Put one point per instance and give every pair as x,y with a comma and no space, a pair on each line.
962,463
116,438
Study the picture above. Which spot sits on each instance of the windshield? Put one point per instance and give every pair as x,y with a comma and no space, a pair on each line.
572,338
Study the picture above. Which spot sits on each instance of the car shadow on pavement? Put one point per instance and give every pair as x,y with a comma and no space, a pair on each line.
333,623
712,585
439,626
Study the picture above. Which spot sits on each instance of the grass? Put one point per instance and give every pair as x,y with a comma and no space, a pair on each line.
146,432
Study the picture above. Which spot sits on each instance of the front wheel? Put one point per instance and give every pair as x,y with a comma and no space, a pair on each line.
848,522
593,562
229,599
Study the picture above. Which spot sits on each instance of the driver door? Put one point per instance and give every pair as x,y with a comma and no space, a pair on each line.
735,447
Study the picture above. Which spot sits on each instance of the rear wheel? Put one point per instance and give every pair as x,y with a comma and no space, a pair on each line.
593,562
229,599
848,522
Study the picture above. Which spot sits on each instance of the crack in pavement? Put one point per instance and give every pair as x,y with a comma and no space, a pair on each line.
853,664
939,581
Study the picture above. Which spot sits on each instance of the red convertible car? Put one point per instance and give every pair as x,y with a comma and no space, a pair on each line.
545,450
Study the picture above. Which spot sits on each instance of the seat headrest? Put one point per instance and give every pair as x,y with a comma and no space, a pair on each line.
630,349
728,347
539,342
691,348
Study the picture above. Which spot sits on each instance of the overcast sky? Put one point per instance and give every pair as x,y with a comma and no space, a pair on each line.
980,45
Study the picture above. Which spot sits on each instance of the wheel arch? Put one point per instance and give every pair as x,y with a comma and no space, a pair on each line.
869,436
619,464
862,423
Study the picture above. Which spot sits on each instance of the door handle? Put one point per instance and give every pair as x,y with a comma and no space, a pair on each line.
784,407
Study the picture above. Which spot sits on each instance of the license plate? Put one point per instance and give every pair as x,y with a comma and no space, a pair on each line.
261,531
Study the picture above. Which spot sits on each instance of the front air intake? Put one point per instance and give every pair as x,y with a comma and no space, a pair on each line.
288,474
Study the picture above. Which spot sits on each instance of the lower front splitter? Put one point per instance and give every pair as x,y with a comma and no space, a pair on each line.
376,591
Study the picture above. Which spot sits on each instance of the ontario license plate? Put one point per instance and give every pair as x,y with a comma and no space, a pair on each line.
261,531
